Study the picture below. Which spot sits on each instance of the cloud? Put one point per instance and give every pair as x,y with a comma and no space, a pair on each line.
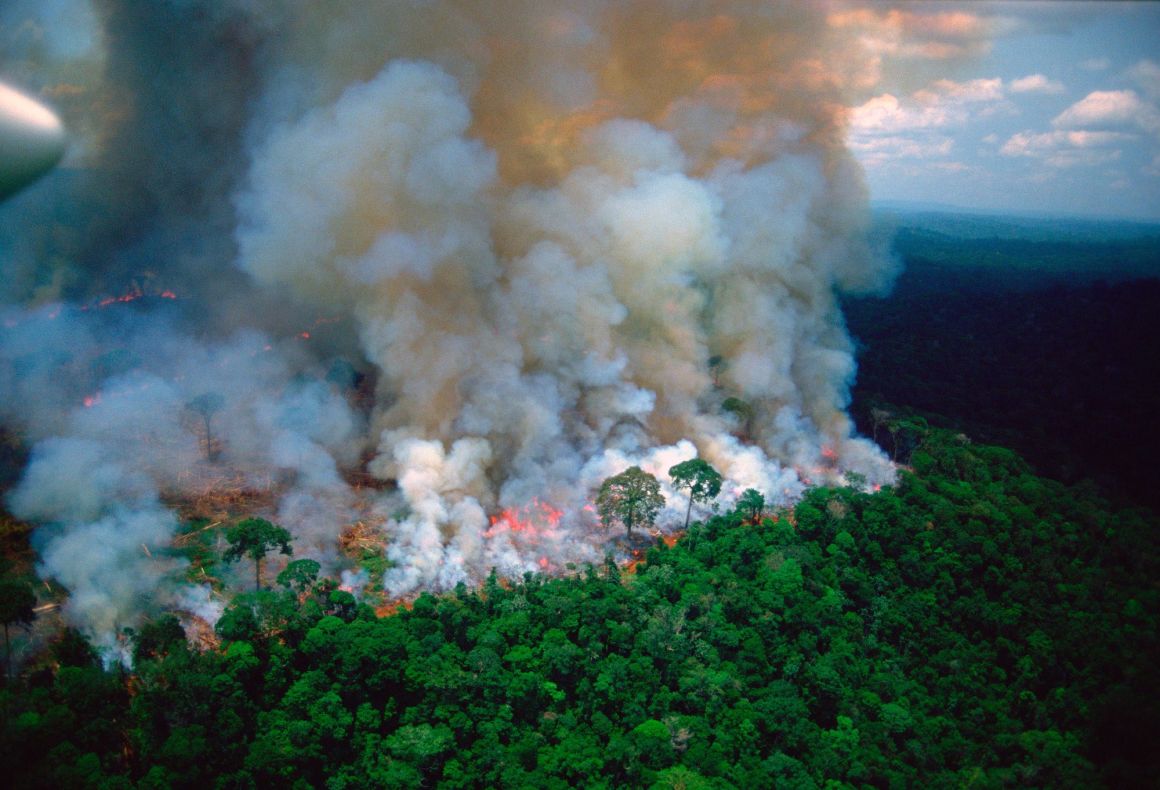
879,150
1109,108
1028,144
949,91
1094,130
1146,73
1067,148
887,127
886,114
1101,108
943,35
943,103
1095,64
1036,83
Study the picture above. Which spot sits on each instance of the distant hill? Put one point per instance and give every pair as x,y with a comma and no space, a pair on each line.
972,251
932,213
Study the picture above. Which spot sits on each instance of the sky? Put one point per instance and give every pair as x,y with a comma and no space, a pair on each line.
1047,108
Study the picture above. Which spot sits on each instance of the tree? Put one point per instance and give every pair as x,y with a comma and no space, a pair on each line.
300,575
16,606
878,418
254,538
741,410
751,503
907,434
631,497
158,638
207,404
716,365
700,478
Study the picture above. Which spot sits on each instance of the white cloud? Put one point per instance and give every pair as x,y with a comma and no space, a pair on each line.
887,127
879,150
922,35
1095,64
1067,148
943,103
1030,144
962,92
1036,83
1096,129
1109,108
886,114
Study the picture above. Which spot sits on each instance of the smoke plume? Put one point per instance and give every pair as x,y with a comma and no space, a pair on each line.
488,255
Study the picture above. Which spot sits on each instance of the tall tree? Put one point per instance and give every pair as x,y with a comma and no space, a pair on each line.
878,418
700,478
207,404
751,503
254,538
743,412
16,606
300,575
632,497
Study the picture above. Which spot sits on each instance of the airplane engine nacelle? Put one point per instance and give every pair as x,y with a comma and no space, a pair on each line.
32,140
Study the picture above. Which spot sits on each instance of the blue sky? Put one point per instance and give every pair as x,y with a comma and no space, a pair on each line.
1030,107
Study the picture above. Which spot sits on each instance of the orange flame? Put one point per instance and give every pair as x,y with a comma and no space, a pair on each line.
129,297
132,295
530,521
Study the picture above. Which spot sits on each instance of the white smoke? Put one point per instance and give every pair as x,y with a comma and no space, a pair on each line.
104,519
556,237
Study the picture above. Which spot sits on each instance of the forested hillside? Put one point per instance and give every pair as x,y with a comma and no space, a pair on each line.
974,626
1018,339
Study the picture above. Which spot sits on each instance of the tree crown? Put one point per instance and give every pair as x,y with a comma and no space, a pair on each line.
632,497
254,538
699,476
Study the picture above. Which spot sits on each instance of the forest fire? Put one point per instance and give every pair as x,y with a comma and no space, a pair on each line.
529,521
497,308
55,310
135,293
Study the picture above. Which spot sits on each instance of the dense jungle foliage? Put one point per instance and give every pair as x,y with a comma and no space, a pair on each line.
1035,336
976,625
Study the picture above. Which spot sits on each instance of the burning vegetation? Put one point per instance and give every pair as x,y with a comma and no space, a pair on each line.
441,285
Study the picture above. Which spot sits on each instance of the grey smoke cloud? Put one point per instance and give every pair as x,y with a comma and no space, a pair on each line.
537,223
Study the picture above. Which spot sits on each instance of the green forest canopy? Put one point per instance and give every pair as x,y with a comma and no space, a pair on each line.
974,626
